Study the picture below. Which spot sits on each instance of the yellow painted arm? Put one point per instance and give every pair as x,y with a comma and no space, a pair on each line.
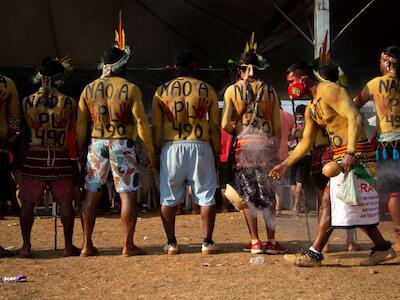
157,115
215,124
340,101
228,111
141,121
81,125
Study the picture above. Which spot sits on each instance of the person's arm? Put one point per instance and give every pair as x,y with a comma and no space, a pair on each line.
74,114
143,128
81,124
13,112
215,124
362,97
157,116
340,101
228,111
310,133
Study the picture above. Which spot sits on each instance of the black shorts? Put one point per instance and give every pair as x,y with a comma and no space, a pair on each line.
300,171
319,181
225,174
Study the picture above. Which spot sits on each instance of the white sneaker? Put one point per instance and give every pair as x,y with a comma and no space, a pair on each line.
209,248
171,249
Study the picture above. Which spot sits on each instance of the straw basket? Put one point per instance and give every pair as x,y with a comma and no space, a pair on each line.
232,195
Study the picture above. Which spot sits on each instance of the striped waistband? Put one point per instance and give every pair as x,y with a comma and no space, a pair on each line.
361,147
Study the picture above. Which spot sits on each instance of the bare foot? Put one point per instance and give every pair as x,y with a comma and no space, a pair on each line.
73,251
92,251
353,247
132,252
396,245
25,252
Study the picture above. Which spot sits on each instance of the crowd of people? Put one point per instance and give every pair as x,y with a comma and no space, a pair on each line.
189,140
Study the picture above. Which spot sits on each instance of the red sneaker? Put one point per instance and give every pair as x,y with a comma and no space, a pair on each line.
275,249
257,248
247,247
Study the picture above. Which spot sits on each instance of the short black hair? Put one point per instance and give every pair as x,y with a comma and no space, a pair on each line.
112,54
392,51
301,68
329,72
184,62
250,58
300,109
50,67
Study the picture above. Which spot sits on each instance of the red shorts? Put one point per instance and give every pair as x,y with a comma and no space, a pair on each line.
32,189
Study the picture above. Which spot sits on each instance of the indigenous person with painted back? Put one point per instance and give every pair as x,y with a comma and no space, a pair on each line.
258,129
116,110
332,109
385,92
186,134
50,115
10,114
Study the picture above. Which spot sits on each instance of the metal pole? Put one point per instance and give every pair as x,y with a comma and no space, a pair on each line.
351,21
55,224
291,22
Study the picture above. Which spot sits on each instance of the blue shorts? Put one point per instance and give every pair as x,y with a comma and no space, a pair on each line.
187,163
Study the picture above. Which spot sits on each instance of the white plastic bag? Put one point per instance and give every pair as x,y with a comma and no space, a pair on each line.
348,191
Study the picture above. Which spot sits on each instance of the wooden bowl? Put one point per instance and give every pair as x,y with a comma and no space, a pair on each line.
331,169
233,196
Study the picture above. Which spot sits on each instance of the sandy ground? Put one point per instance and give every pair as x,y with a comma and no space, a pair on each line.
191,275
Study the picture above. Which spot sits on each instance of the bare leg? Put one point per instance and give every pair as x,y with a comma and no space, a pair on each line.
68,219
351,240
128,219
324,228
26,221
297,197
278,197
89,207
168,214
374,234
269,219
394,209
251,224
208,219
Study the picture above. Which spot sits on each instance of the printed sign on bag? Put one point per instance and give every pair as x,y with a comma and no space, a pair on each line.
345,215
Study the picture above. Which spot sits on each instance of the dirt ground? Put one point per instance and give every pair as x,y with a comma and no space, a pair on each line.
191,275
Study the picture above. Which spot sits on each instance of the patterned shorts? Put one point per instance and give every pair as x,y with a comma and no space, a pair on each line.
116,155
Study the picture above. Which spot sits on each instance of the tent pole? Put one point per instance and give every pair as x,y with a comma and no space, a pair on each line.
321,26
